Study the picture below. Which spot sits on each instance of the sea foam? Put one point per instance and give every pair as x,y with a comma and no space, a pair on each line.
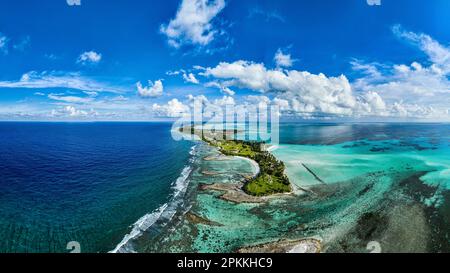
165,211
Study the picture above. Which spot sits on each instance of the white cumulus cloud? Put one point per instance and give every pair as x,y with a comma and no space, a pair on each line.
70,111
416,90
152,90
193,23
308,92
224,89
172,109
89,57
410,90
190,78
283,60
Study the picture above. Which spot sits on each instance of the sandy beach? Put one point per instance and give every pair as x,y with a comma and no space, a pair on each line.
254,164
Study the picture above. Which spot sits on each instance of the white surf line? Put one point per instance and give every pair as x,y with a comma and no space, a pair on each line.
146,221
141,225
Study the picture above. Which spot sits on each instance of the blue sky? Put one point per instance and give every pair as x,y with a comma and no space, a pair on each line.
147,60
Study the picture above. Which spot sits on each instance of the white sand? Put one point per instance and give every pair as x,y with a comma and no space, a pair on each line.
254,164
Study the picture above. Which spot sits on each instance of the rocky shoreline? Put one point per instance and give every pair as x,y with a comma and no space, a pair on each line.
232,193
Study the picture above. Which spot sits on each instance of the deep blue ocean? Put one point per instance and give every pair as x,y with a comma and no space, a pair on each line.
84,182
105,184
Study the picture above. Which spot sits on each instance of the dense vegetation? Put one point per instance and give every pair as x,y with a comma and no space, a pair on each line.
271,178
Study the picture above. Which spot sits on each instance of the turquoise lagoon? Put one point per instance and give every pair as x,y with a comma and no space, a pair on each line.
354,184
130,187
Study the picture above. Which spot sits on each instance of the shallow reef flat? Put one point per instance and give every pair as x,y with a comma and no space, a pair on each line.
348,198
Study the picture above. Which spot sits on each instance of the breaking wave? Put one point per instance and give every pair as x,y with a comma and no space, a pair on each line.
164,213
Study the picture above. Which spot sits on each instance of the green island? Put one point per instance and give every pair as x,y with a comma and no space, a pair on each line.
271,178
